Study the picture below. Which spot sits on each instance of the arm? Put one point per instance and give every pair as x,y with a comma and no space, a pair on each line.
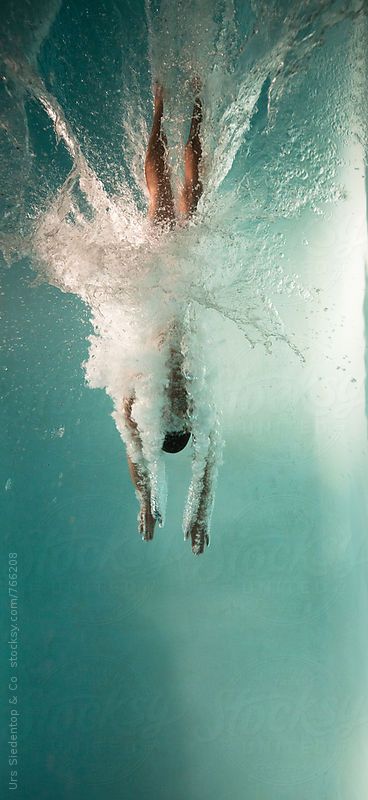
139,476
197,521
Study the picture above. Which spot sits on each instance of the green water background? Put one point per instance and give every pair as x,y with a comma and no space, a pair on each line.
144,672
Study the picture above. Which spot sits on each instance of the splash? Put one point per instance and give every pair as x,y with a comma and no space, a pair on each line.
263,167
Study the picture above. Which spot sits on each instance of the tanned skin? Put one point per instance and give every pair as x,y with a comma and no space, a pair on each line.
162,212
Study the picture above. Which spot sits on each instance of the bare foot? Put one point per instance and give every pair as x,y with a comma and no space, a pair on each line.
158,92
196,85
197,110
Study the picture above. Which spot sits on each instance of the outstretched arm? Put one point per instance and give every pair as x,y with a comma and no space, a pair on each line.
139,476
198,519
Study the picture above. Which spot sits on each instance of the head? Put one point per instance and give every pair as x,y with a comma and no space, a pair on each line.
174,442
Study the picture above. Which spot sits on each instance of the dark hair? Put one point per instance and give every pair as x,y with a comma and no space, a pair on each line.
174,442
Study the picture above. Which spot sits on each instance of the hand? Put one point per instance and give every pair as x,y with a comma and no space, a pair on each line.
197,531
146,522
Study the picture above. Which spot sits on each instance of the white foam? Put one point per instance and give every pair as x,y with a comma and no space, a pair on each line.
228,265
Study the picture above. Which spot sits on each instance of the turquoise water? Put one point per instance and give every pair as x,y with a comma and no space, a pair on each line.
144,671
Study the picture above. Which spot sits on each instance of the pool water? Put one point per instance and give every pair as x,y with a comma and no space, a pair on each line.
142,670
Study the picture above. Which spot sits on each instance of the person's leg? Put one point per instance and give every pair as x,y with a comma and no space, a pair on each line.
192,188
161,208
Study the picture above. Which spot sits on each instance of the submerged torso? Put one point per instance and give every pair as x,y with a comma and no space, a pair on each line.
176,410
176,407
